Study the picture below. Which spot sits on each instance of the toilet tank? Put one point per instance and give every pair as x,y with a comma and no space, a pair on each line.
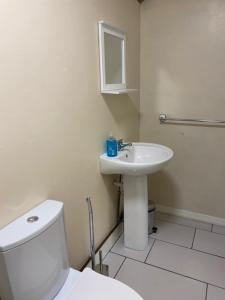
33,254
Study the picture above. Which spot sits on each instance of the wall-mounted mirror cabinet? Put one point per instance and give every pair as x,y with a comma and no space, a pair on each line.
112,52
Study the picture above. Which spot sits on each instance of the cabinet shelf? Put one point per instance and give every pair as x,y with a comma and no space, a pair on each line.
118,92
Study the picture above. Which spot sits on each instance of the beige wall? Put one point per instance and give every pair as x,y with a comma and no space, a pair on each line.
53,120
183,75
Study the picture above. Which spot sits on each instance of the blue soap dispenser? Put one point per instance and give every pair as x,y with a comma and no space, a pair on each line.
111,146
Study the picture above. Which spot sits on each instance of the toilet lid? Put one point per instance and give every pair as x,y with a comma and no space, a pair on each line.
94,286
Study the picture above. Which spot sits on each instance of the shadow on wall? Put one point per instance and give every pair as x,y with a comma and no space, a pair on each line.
111,189
161,184
124,109
122,104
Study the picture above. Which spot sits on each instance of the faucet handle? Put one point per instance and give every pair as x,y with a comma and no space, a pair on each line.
120,142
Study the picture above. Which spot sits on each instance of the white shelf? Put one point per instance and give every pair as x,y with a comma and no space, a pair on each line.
118,92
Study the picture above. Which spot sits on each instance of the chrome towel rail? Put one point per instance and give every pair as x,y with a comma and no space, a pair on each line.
168,120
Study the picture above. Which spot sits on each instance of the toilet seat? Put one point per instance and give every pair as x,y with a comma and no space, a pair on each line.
94,286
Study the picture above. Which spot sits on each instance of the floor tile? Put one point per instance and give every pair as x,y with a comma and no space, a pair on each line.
155,284
138,255
209,242
215,293
174,233
114,262
188,262
183,221
219,229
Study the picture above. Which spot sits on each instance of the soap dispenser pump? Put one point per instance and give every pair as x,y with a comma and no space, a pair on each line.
111,146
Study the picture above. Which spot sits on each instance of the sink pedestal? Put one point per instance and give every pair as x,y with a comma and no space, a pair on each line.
135,211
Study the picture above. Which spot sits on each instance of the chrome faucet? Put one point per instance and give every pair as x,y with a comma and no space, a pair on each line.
122,145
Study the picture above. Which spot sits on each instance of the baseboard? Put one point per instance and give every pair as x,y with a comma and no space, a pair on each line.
191,215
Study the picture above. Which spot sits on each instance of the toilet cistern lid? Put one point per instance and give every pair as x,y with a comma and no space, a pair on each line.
30,224
92,285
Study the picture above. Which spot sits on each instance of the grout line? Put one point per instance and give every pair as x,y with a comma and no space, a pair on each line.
157,267
112,246
120,254
193,239
206,292
120,267
128,257
219,287
215,255
186,276
170,243
150,250
193,249
161,268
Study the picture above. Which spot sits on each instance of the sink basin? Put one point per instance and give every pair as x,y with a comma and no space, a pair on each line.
140,159
135,163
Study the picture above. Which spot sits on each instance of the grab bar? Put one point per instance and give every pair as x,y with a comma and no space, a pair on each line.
168,120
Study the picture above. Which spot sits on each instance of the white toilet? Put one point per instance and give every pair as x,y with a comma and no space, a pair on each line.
34,262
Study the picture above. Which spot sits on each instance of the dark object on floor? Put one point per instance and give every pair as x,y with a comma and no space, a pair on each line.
154,229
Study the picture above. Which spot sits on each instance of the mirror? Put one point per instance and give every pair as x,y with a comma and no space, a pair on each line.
112,58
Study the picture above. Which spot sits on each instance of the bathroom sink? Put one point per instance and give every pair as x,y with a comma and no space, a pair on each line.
135,163
139,159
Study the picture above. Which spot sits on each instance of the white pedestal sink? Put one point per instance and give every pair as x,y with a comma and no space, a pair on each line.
135,163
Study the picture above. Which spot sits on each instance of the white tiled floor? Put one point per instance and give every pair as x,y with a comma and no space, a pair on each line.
218,229
153,283
138,255
114,261
184,260
215,293
188,262
174,233
210,242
